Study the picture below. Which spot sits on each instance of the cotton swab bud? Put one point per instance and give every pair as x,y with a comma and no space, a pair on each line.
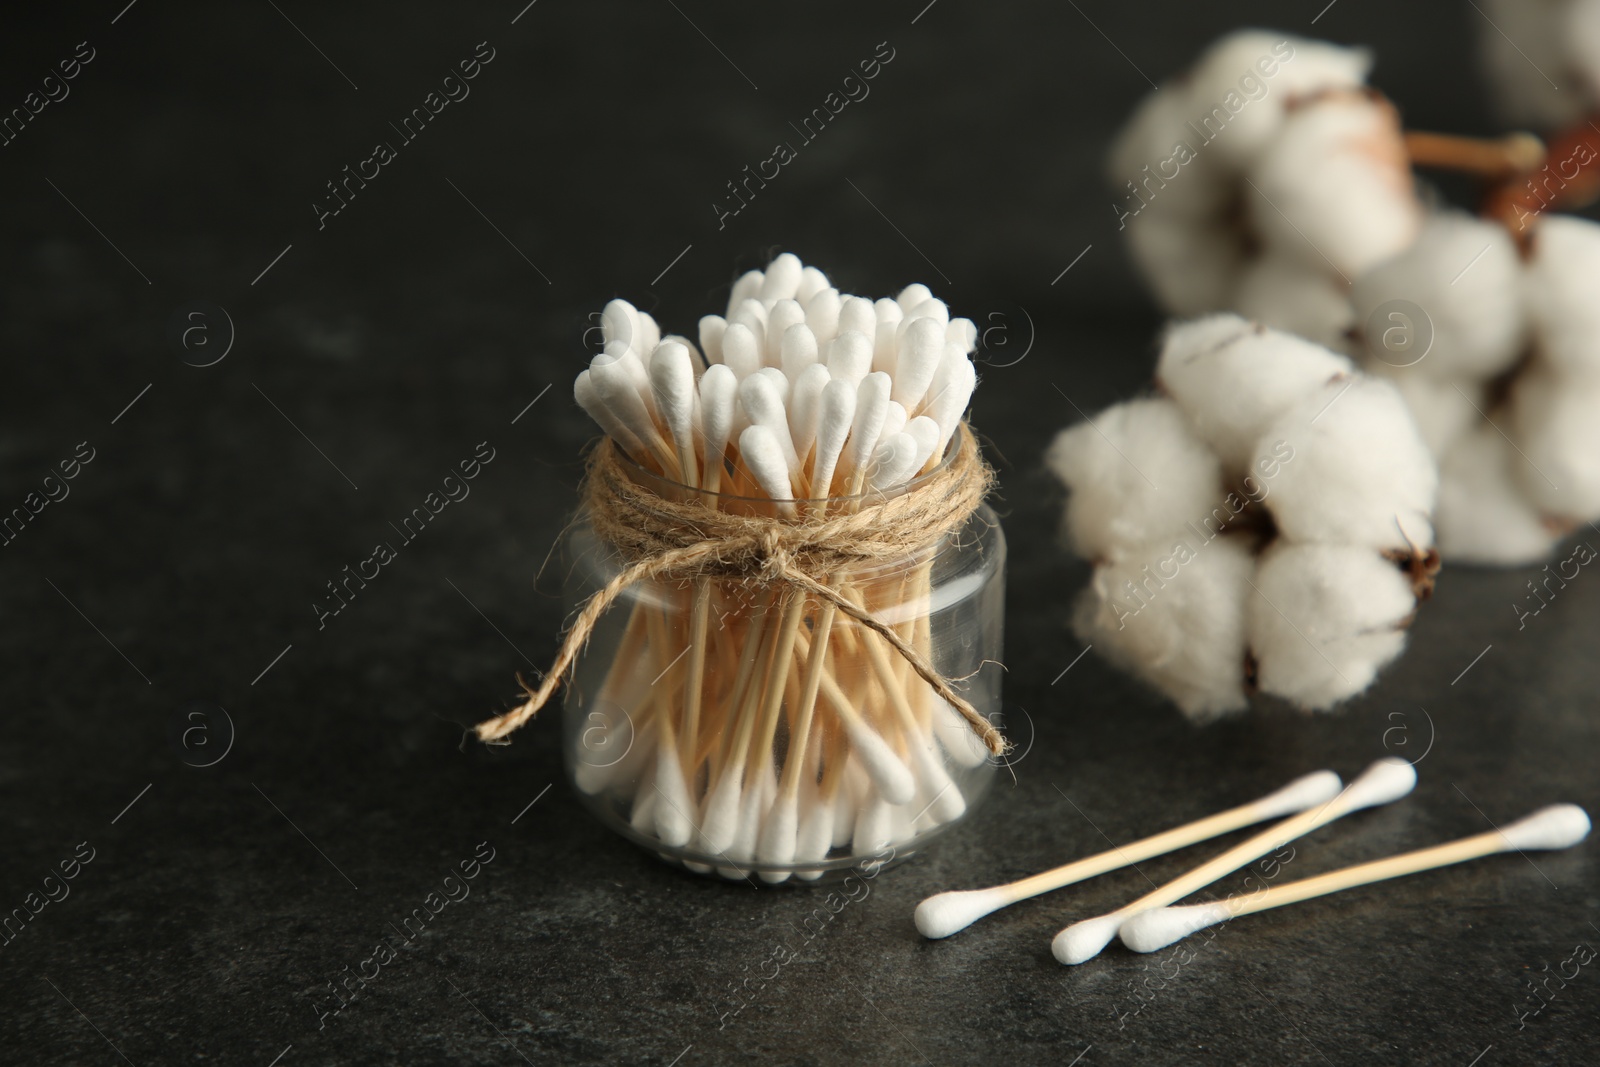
956,737
748,287
649,334
761,452
921,350
887,311
763,403
778,841
858,314
850,356
778,380
886,348
949,394
711,330
784,314
822,315
797,350
815,836
939,793
926,433
619,390
872,407
894,420
753,315
963,333
912,296
812,282
719,389
672,381
1135,472
805,410
836,414
1556,827
674,826
874,830
619,321
1232,378
782,278
1358,473
931,309
588,398
1324,619
893,462
741,351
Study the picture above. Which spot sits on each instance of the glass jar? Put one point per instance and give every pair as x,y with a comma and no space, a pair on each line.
703,721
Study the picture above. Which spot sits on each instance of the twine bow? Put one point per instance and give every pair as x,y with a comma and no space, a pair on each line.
687,539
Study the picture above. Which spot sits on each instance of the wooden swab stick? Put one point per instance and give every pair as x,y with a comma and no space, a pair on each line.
1556,827
1385,781
946,913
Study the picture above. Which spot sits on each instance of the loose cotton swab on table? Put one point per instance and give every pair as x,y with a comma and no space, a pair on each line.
1556,827
947,913
1385,781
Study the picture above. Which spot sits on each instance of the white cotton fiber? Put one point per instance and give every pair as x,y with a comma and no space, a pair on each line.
1324,619
1463,274
1360,473
1233,378
1311,67
1192,267
1442,408
1179,626
1134,473
1183,184
1556,422
1287,294
1483,516
1334,188
1561,286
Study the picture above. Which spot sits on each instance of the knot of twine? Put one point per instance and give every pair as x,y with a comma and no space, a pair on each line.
686,539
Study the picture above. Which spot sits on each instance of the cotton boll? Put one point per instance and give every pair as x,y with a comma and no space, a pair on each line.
1179,626
1347,466
1520,39
1443,409
1324,619
1464,274
1483,516
1112,508
1187,185
1193,267
1560,288
1287,294
1233,378
1556,421
1301,68
1334,188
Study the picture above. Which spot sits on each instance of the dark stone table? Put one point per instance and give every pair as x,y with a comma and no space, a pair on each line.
187,170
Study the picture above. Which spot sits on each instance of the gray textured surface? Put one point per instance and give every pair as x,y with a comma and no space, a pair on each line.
407,331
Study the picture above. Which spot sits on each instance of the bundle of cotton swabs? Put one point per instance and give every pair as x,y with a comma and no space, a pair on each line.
746,748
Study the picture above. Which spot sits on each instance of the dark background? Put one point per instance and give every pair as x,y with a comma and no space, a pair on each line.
417,324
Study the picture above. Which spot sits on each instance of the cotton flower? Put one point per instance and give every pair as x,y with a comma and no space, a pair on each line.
1263,181
1507,394
1265,523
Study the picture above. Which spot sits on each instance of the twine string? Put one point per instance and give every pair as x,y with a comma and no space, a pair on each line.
687,539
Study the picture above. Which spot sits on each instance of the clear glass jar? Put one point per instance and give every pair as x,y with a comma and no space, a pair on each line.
700,725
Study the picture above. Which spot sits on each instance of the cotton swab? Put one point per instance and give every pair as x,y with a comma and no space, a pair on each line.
1556,827
741,351
718,391
1385,781
672,383
712,328
587,395
765,406
782,278
822,315
857,314
763,454
797,350
747,287
805,410
921,350
850,356
835,417
944,914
